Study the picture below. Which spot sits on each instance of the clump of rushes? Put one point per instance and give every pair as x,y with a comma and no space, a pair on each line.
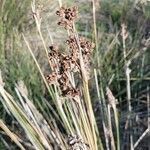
62,64
70,73
67,69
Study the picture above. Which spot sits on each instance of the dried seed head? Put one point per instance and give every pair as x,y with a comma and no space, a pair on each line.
52,78
63,81
72,43
68,16
66,24
53,54
70,93
63,65
68,13
60,12
53,48
87,46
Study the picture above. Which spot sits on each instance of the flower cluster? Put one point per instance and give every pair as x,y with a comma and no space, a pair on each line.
75,142
68,16
63,65
86,49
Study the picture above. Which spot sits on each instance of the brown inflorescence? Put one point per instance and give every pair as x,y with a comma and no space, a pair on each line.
86,49
68,16
63,65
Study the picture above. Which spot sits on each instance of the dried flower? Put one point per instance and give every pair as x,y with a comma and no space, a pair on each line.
86,47
54,52
68,16
52,78
63,64
70,93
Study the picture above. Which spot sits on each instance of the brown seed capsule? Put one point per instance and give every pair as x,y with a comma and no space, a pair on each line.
63,65
68,16
52,78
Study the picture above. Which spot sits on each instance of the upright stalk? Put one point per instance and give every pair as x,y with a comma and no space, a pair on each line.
128,86
86,93
95,29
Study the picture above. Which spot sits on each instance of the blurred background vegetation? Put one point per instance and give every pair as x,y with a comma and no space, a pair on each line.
16,63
